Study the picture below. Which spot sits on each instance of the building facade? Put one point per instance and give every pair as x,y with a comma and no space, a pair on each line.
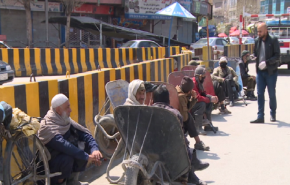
275,6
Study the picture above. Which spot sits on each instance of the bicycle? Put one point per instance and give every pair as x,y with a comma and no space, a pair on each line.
25,157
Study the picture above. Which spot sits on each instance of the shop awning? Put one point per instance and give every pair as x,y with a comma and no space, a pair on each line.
95,26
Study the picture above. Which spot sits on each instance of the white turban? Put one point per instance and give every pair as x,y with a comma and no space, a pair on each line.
223,59
58,100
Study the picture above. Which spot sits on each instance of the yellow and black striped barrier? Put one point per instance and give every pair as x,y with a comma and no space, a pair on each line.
59,61
85,91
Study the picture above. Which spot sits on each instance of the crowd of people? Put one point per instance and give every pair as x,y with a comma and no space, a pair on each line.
72,146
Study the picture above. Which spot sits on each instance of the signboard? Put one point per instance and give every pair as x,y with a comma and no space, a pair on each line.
35,6
95,9
288,10
102,1
129,23
202,8
146,9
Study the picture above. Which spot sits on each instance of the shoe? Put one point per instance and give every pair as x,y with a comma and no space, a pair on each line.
259,120
208,128
273,118
231,103
196,164
201,146
192,178
225,111
205,122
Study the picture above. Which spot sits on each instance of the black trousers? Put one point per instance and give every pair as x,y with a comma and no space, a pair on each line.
189,126
219,90
198,110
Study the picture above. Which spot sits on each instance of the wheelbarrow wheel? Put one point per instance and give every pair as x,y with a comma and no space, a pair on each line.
107,146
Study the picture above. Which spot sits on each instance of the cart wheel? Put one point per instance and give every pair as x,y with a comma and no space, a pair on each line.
107,146
25,161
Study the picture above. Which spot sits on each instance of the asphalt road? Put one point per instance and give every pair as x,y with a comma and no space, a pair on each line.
240,153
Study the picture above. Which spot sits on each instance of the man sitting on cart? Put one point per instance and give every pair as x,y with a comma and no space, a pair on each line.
204,103
249,81
161,99
227,78
136,93
187,99
70,144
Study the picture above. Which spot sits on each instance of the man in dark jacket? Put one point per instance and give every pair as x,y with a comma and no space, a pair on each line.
248,80
161,99
267,51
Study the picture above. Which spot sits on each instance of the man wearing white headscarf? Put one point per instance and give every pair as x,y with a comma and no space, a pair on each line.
70,144
136,93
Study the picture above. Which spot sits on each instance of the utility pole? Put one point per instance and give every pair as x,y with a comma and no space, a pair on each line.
46,21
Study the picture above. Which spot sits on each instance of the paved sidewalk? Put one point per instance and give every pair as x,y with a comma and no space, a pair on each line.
242,153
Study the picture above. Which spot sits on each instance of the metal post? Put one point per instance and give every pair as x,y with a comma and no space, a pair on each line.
207,35
169,36
101,35
46,21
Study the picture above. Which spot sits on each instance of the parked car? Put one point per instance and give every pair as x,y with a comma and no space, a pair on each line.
4,45
234,40
140,44
6,73
248,40
217,42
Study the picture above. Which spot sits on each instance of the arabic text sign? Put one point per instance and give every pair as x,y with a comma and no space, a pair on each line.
35,6
146,6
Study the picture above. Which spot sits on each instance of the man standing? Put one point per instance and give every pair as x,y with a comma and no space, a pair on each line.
267,51
248,80
71,145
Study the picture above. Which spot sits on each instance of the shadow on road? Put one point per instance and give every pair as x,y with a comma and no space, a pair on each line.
218,133
93,172
207,155
279,124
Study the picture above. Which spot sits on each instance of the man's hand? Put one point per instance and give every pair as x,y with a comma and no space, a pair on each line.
97,155
92,159
214,99
193,94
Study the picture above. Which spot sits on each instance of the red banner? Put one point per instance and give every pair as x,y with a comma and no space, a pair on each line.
95,9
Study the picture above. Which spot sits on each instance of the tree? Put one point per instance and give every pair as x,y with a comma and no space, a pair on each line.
27,7
251,7
69,5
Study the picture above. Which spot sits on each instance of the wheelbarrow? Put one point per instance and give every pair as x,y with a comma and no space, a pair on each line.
154,143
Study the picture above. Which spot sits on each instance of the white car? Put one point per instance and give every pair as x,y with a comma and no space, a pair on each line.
140,44
234,40
248,40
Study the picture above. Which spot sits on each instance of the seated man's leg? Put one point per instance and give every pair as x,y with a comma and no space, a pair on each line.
250,88
229,84
191,129
197,111
61,163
